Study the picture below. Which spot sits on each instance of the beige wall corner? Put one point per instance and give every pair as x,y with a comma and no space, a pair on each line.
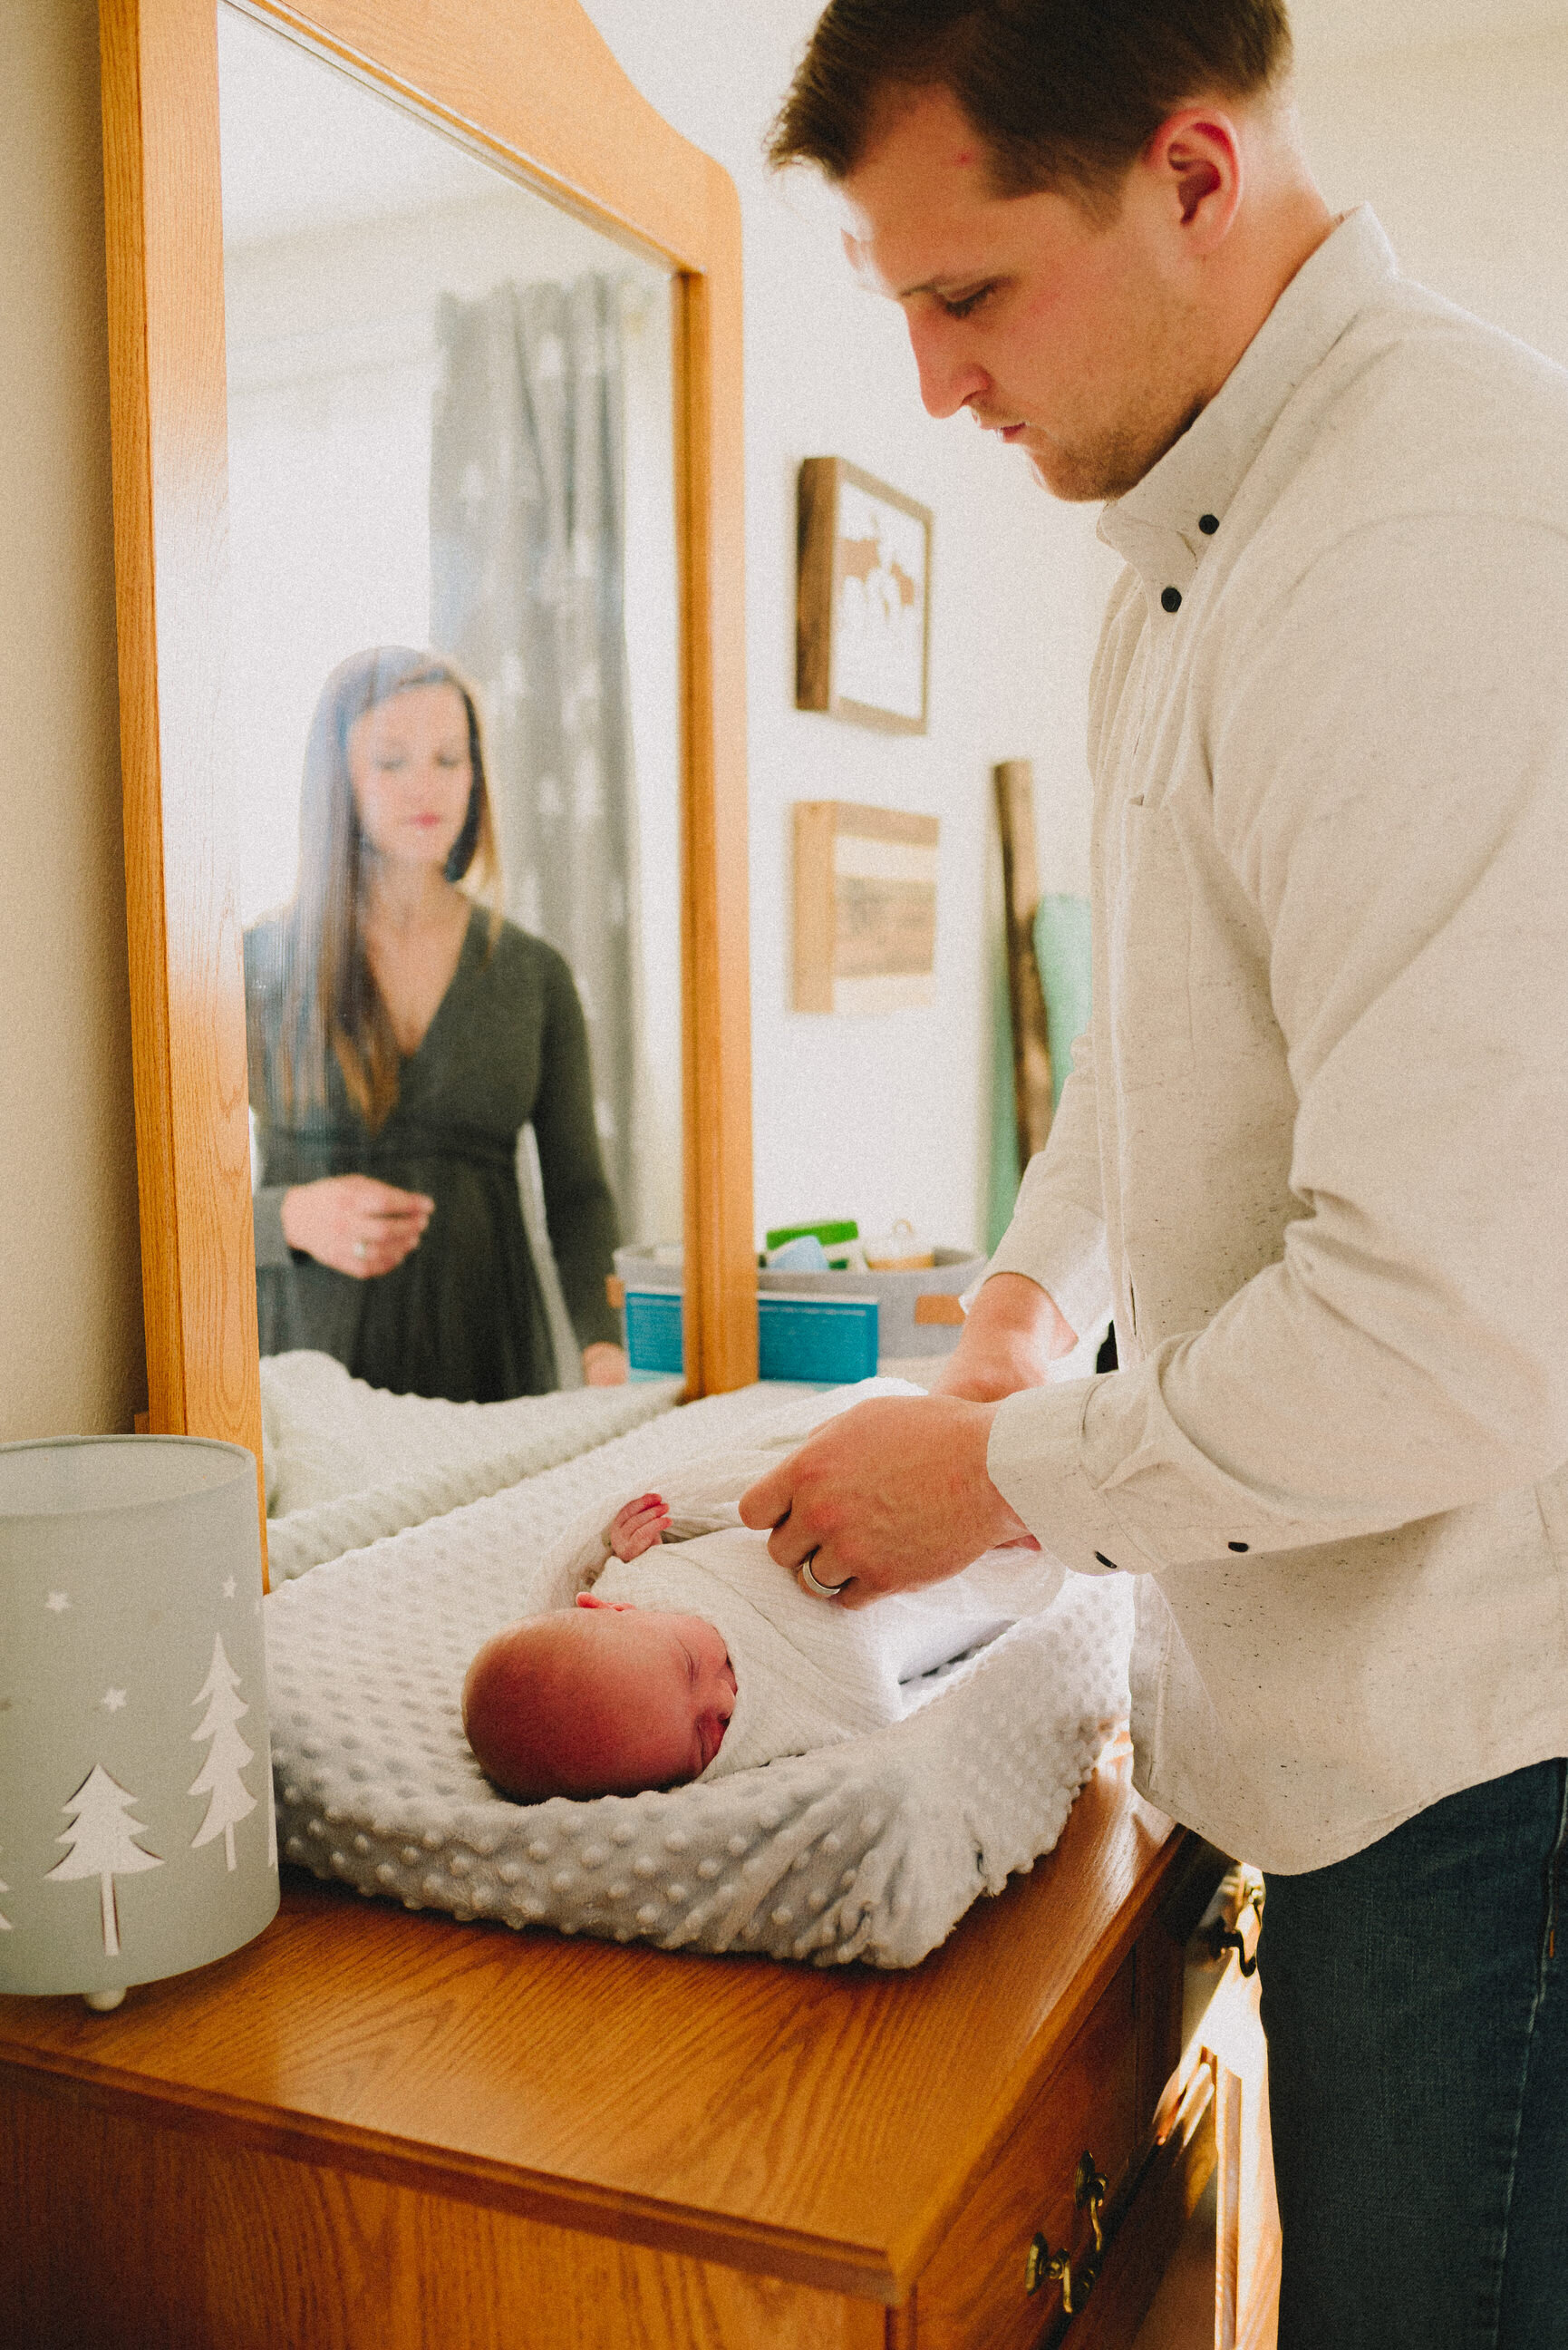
70,1282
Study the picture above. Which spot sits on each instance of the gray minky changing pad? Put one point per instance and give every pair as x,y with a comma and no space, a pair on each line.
872,1849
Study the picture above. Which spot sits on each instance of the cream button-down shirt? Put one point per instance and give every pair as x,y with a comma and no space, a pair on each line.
1313,1153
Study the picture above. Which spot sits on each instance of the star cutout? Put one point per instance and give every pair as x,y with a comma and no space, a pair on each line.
112,1699
55,1601
228,1587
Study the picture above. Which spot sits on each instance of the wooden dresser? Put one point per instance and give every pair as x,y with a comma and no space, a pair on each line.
377,2131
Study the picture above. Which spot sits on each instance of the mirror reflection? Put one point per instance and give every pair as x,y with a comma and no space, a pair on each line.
453,689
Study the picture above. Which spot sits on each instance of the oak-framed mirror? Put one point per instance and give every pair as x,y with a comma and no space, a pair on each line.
550,175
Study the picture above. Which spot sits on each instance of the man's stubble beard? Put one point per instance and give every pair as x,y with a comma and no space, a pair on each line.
1107,468
1107,464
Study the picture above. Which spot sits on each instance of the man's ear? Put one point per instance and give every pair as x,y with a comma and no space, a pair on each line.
1196,156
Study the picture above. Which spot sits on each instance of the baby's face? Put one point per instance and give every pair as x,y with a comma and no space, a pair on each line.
604,1701
666,1688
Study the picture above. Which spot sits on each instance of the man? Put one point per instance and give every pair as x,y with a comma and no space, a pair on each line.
1314,1150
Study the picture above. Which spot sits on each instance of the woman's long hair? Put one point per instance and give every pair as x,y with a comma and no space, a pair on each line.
330,1001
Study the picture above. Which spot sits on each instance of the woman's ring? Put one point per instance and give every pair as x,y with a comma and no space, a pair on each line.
820,1590
361,1248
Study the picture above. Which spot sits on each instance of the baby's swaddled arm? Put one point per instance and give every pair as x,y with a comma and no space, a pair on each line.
935,1622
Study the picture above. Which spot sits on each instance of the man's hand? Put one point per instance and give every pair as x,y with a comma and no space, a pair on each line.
1012,1334
886,1497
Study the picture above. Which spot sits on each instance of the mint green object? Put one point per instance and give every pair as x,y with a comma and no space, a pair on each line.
1062,951
1004,1168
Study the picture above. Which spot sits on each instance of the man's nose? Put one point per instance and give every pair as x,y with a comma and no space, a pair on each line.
949,380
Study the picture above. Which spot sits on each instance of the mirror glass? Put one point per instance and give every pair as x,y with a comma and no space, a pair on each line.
453,701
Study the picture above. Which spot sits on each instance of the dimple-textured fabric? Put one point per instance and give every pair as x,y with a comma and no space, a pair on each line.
348,1463
870,1849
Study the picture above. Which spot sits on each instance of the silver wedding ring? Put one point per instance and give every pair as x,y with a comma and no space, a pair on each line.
820,1590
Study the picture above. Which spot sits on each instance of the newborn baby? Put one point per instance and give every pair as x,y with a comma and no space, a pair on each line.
672,1647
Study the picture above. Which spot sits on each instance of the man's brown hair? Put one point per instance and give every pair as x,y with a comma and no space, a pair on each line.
1066,93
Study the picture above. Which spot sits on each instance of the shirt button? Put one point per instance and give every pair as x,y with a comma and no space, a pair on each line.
1209,525
1171,599
1240,1545
1107,1562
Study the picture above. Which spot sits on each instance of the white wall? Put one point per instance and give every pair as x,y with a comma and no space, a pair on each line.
886,1116
70,1279
1461,151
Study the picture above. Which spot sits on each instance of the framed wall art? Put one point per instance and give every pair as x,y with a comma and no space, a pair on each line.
865,907
863,609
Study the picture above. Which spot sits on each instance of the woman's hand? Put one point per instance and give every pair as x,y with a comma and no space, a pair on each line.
354,1224
604,1366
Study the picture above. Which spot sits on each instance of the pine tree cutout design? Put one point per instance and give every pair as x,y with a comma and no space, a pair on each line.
102,1844
219,1776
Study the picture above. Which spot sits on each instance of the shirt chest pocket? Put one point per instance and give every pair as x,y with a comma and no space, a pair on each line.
1150,952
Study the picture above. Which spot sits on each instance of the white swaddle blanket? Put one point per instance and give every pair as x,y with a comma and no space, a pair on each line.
808,1674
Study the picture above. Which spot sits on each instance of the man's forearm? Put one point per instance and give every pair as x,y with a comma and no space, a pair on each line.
1012,1334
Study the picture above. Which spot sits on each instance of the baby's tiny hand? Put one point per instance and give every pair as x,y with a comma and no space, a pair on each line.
638,1527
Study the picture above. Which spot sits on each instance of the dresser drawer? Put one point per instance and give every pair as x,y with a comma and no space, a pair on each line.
974,2293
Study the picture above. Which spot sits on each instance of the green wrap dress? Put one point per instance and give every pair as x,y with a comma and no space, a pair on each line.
463,1316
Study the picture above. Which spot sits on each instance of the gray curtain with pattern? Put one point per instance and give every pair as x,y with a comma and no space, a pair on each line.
527,586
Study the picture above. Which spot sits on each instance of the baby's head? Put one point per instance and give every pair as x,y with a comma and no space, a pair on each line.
606,1701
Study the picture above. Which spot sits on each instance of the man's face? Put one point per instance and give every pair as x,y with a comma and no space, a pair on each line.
1074,339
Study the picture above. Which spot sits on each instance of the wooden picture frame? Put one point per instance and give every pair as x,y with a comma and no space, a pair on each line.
865,907
1033,1088
530,87
863,611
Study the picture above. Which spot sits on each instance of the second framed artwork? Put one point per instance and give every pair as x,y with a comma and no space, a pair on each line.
863,613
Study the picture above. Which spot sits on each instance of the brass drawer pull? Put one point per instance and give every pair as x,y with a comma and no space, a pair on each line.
1042,2265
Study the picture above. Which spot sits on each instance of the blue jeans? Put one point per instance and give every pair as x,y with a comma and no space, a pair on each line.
1415,2002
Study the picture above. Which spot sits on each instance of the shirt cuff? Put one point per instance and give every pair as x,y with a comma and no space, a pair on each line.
1036,1461
1098,1470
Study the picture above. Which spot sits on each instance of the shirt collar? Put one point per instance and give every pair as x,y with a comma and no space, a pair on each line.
1156,526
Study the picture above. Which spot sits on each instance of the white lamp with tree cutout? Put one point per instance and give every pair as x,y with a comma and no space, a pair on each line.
137,1835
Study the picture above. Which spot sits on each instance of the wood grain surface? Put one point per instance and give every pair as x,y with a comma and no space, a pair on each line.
168,424
531,86
819,2126
1033,1081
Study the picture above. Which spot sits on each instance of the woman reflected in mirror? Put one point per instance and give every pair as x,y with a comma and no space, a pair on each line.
401,1033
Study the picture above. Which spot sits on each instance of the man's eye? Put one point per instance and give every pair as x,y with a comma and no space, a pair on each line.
964,305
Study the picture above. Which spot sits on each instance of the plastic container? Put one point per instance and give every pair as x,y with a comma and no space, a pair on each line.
918,1312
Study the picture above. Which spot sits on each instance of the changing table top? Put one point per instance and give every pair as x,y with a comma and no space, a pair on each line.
821,2126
